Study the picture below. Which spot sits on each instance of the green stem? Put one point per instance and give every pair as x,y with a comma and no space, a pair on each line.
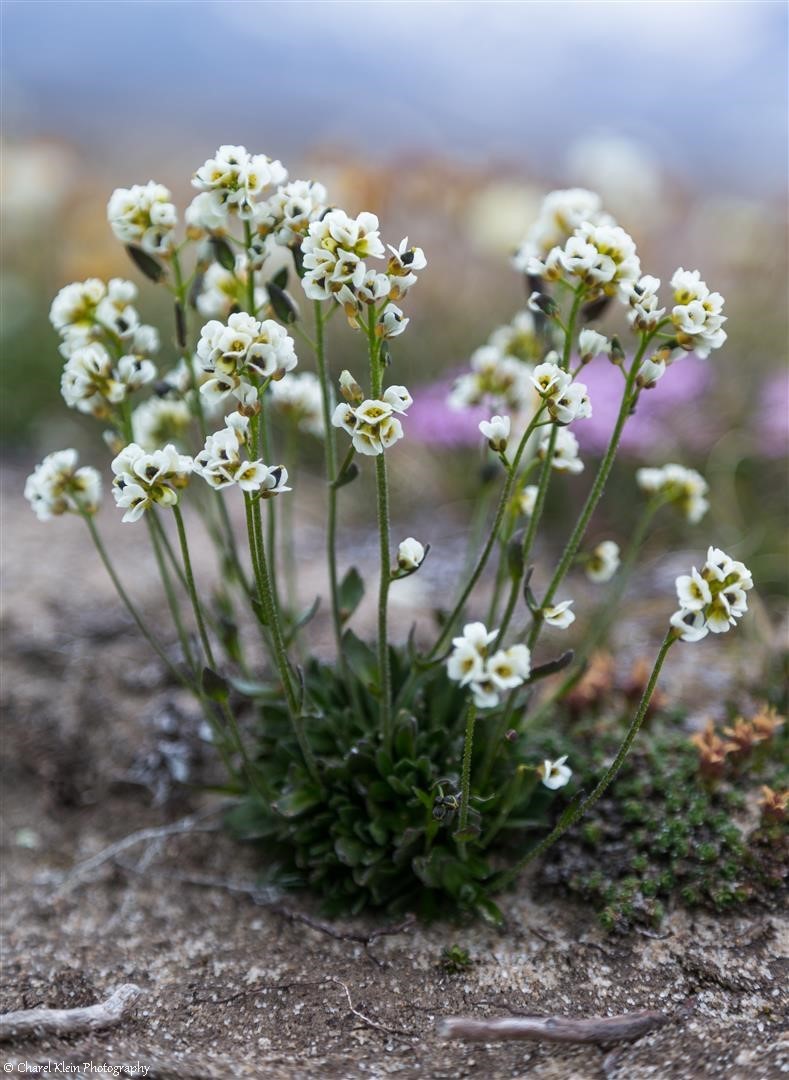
331,473
250,272
271,614
146,633
382,502
491,540
593,498
465,781
192,590
154,528
568,820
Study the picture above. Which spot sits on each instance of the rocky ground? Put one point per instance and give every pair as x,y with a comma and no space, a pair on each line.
233,983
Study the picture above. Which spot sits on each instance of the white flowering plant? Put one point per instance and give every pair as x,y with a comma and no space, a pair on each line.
401,774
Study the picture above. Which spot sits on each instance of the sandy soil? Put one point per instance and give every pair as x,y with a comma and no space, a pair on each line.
234,988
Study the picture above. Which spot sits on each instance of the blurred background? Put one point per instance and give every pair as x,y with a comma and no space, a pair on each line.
450,121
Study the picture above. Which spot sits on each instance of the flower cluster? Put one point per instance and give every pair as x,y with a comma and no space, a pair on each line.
644,314
143,215
288,213
602,257
488,676
160,420
299,399
242,348
370,422
713,599
603,562
220,464
234,180
500,369
683,487
696,314
91,310
335,251
92,382
566,400
58,486
144,479
561,213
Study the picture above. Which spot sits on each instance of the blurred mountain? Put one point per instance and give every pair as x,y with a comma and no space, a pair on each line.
701,85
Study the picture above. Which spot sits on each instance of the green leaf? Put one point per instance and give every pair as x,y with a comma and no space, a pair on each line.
280,279
305,617
293,804
215,686
223,253
361,659
552,666
258,691
285,307
471,832
351,592
149,266
346,476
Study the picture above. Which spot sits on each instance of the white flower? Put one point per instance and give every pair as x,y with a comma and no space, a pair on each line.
470,665
159,420
143,215
559,615
591,344
334,251
75,305
642,296
402,267
549,379
134,372
410,554
691,625
392,322
508,668
497,432
693,592
527,500
696,314
555,774
682,487
370,423
144,479
713,599
603,563
565,452
299,398
57,486
289,212
497,380
236,179
651,371
205,214
566,400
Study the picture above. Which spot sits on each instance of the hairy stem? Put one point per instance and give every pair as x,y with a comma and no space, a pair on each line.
190,585
465,782
567,821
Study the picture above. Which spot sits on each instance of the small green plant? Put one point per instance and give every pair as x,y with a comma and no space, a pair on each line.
455,959
673,827
398,775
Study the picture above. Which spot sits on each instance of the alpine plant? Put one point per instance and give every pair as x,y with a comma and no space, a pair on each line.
393,774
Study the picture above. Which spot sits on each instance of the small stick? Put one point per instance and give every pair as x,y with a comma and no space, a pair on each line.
594,1029
366,1019
15,1025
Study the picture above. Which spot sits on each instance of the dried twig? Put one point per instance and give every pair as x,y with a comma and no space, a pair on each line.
366,1019
594,1029
14,1025
191,824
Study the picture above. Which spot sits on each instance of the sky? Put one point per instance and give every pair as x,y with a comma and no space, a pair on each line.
702,87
